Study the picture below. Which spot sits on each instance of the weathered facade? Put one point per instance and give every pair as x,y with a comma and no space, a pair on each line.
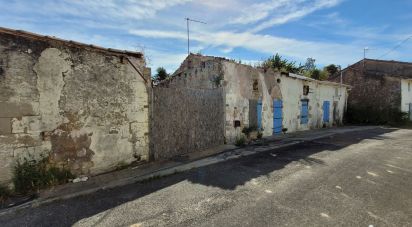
379,88
188,113
84,107
252,97
186,120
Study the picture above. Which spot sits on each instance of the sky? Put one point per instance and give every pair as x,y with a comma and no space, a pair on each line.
330,31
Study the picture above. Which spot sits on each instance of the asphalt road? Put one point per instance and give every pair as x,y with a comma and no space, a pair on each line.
354,179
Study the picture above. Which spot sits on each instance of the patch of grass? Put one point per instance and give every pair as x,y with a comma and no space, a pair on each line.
240,141
217,80
248,130
122,165
31,175
4,193
259,135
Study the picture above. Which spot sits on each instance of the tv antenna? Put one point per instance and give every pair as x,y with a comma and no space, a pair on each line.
188,32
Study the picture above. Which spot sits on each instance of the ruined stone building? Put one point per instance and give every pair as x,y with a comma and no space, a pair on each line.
224,97
379,89
83,107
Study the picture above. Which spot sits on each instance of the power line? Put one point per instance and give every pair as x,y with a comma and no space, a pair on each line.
395,47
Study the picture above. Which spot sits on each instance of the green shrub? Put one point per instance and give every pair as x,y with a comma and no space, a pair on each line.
259,135
4,193
217,80
32,175
240,141
248,130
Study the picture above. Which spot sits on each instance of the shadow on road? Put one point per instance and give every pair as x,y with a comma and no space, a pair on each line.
226,175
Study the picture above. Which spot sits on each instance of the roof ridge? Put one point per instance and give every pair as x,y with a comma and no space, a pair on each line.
32,35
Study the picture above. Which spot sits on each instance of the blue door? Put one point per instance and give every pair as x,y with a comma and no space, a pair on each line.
326,110
304,112
259,114
277,116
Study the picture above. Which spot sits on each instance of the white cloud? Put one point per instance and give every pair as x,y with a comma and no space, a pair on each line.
294,10
324,52
169,61
132,9
259,11
276,12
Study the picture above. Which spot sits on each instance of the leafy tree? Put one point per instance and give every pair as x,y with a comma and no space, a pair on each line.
315,74
280,64
332,69
309,65
161,74
309,69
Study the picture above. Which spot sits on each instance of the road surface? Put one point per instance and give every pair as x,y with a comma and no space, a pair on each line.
354,179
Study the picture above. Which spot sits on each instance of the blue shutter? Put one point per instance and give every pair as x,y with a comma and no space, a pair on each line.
259,114
326,109
277,116
304,112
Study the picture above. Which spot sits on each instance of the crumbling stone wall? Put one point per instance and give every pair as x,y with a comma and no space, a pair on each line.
83,109
186,120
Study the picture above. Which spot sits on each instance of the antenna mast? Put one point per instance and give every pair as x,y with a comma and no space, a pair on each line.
188,32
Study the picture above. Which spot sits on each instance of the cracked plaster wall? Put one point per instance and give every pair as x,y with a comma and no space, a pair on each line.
83,109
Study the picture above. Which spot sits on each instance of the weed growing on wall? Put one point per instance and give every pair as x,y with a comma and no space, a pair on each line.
240,141
4,194
31,175
248,130
217,80
259,135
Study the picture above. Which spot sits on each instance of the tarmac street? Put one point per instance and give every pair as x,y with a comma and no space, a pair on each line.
359,178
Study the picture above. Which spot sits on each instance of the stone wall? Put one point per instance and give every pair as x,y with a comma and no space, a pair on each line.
186,120
244,85
375,91
83,109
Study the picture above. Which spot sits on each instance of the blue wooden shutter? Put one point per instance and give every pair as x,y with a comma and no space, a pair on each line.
277,116
304,112
326,109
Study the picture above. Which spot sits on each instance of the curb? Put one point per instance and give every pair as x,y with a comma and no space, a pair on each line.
210,160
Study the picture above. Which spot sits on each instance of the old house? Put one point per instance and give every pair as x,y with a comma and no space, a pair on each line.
380,90
81,106
228,97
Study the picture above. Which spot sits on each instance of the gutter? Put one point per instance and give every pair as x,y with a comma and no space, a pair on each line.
137,69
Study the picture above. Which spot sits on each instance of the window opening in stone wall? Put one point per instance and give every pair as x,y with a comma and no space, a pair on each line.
237,123
305,89
255,85
278,81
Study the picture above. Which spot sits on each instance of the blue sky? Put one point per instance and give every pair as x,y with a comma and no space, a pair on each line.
331,31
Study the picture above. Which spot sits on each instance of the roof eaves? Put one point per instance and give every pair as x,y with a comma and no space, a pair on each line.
31,35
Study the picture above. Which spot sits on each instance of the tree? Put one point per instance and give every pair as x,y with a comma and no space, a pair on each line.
280,64
309,65
315,74
161,74
332,69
